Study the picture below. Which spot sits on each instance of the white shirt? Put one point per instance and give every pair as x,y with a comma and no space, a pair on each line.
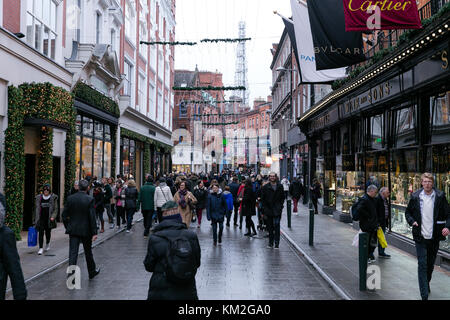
162,195
426,210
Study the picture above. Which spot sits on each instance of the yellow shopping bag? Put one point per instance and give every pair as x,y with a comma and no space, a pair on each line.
381,238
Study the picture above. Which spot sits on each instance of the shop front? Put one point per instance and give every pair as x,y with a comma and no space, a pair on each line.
388,132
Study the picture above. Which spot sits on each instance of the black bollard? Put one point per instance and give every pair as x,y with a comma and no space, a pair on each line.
363,256
288,207
311,224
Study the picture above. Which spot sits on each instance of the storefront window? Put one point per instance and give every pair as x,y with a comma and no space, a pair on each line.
349,182
78,155
377,169
125,156
404,181
86,159
405,134
107,160
376,132
440,117
98,158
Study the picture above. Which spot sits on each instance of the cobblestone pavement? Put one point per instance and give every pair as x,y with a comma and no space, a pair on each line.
241,268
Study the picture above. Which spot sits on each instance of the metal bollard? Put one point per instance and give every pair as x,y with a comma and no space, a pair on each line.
363,256
311,224
289,215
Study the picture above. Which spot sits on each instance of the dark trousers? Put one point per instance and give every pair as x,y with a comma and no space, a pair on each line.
74,245
159,214
249,224
236,214
130,214
372,238
148,214
295,201
48,234
199,215
214,224
120,211
229,212
426,256
99,213
316,210
109,213
273,226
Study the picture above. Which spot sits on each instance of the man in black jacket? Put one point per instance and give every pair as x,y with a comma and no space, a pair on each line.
382,205
234,187
368,219
171,227
428,214
9,259
296,191
79,220
272,198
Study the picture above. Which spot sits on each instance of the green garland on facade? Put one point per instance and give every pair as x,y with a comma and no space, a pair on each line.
210,102
136,136
113,150
216,115
70,164
172,43
45,158
219,123
36,101
226,40
209,88
146,158
91,96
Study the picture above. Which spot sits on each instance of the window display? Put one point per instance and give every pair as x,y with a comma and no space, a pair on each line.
349,183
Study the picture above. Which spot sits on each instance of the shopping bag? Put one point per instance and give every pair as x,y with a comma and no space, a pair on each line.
32,237
381,238
355,242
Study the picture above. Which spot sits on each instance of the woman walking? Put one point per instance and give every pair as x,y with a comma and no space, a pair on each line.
216,208
112,201
185,199
45,216
201,194
119,195
99,204
248,208
131,196
316,194
240,196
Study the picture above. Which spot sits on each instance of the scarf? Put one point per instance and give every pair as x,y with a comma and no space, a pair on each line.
182,201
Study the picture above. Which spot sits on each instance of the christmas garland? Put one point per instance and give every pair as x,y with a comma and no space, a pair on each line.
209,88
172,43
209,102
113,150
216,115
219,123
146,159
91,96
37,101
226,40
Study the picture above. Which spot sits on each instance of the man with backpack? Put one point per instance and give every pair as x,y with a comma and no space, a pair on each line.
173,257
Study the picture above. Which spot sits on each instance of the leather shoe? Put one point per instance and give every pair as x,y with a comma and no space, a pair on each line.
97,271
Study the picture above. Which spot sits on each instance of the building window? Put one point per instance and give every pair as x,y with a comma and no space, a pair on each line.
73,21
151,102
183,110
98,25
128,79
142,94
129,22
160,65
143,37
113,39
160,108
41,26
440,117
405,133
153,54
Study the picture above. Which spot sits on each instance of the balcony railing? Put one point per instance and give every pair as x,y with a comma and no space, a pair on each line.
387,39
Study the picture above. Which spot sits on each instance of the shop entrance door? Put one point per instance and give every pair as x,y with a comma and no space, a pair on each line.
56,183
29,190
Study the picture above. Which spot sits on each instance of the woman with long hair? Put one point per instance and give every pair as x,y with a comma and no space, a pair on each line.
249,208
45,216
119,196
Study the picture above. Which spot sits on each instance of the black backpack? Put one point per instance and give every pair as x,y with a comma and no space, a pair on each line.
354,210
180,260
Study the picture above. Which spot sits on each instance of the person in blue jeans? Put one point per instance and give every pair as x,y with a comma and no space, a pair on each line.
229,199
216,208
428,213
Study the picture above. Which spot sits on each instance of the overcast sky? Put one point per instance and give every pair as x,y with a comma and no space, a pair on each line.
200,19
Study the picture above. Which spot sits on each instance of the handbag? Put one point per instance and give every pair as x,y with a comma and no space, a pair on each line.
32,237
381,238
53,224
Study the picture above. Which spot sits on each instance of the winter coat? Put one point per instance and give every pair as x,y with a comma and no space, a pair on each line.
296,189
119,196
234,187
202,196
229,199
147,196
216,207
381,214
99,204
285,182
108,194
316,192
189,199
9,260
52,211
162,195
272,201
160,288
79,215
131,197
441,215
368,219
249,203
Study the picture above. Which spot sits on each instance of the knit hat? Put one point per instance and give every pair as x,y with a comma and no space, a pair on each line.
170,211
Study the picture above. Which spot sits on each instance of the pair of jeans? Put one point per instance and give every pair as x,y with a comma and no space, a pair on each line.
426,256
74,245
130,214
316,210
159,214
120,211
295,201
48,234
109,213
100,215
199,215
228,215
214,224
273,226
148,215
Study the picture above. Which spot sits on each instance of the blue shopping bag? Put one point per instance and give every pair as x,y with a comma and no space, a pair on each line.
32,237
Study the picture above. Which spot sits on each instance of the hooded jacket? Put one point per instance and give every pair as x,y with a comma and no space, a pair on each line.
160,288
9,259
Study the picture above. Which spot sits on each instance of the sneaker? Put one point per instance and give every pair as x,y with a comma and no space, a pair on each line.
41,251
240,227
118,227
270,246
128,231
220,242
277,246
248,234
253,234
371,259
47,247
384,256
111,226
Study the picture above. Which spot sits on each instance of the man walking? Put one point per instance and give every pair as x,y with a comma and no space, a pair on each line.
272,197
79,220
234,187
147,204
368,219
296,191
428,214
9,259
382,205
